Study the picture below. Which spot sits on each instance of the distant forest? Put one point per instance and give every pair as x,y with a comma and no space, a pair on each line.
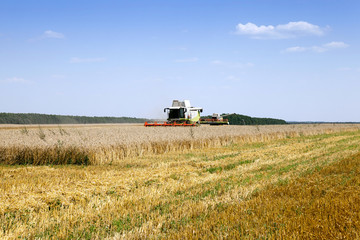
237,119
35,118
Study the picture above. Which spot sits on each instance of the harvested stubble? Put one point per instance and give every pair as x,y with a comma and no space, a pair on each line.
323,205
190,194
110,144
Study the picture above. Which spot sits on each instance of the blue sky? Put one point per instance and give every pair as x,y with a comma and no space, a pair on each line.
294,60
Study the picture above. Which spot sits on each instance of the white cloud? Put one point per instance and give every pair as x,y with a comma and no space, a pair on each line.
194,59
295,49
289,30
300,27
336,45
16,80
318,49
52,34
252,29
86,60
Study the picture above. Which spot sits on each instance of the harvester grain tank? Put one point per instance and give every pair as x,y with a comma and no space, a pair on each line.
181,113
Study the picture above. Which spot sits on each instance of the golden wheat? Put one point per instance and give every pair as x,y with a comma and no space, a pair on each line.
109,144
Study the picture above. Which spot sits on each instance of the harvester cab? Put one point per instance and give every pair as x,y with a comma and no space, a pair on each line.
183,112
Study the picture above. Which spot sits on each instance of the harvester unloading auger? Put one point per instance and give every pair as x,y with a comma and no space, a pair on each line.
183,114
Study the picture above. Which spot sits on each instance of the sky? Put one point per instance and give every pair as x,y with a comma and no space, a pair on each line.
295,60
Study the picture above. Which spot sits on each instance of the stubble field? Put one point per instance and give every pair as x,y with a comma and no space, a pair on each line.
131,182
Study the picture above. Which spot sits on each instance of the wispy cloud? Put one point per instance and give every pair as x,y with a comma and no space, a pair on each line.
318,49
48,35
295,49
194,59
52,34
86,60
281,31
16,80
336,45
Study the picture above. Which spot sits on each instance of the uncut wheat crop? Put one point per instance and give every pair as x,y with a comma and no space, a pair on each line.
104,144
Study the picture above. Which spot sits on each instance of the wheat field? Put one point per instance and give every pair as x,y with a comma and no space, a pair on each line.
230,182
109,144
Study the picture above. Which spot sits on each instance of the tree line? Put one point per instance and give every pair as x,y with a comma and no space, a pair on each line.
237,119
36,118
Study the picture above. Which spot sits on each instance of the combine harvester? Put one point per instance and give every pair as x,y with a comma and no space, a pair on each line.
184,115
179,114
216,119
